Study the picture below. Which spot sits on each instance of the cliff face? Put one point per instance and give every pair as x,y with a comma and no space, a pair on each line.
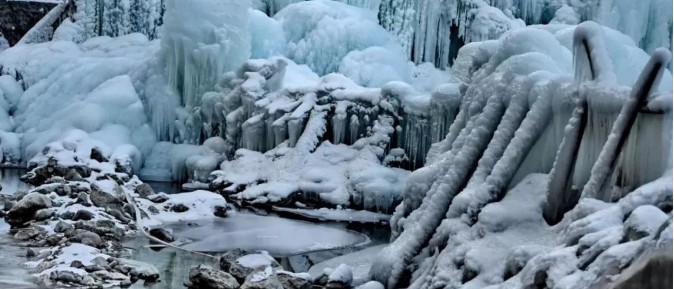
17,17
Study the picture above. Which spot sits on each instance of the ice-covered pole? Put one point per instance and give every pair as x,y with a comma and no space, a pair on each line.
588,66
600,183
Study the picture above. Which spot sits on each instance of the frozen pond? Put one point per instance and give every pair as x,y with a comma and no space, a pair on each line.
281,237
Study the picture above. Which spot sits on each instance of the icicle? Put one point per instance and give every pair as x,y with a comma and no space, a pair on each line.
601,182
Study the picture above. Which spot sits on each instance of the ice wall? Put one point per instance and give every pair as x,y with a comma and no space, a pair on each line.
200,41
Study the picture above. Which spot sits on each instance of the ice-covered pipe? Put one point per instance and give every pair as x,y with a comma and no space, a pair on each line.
601,179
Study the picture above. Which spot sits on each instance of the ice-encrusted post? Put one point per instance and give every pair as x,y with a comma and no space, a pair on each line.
600,184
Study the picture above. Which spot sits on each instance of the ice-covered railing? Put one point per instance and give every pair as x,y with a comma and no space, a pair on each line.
43,30
511,122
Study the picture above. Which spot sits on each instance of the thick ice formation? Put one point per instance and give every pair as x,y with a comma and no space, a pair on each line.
518,100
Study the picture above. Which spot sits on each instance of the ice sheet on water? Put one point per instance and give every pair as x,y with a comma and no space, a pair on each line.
276,235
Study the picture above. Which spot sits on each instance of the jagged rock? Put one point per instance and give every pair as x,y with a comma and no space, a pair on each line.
97,154
143,190
62,227
102,199
220,211
262,278
162,234
205,277
158,198
24,210
83,215
291,280
230,257
88,238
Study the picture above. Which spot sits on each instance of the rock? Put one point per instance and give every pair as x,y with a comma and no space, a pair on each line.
179,208
62,227
119,216
8,205
44,214
83,215
205,277
140,270
83,198
230,257
291,280
93,268
68,277
18,195
158,198
24,210
97,154
262,278
643,221
30,253
76,264
245,265
153,210
88,238
340,278
67,215
143,190
102,199
220,211
30,233
162,234
73,175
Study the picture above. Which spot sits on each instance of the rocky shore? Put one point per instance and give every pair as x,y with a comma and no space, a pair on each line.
79,211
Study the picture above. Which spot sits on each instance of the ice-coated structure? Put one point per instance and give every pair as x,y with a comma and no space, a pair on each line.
469,216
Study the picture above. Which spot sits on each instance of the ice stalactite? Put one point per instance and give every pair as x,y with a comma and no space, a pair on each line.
601,181
200,41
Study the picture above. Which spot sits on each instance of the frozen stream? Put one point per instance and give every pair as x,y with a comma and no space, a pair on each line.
298,244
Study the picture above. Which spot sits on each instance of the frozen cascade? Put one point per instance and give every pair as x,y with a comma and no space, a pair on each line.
200,41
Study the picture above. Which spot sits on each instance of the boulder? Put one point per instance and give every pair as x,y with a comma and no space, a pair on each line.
162,234
291,280
158,198
88,238
103,199
205,277
83,215
143,190
230,257
262,278
245,265
62,227
24,210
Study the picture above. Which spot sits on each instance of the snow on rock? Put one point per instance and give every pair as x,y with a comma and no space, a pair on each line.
358,261
188,206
